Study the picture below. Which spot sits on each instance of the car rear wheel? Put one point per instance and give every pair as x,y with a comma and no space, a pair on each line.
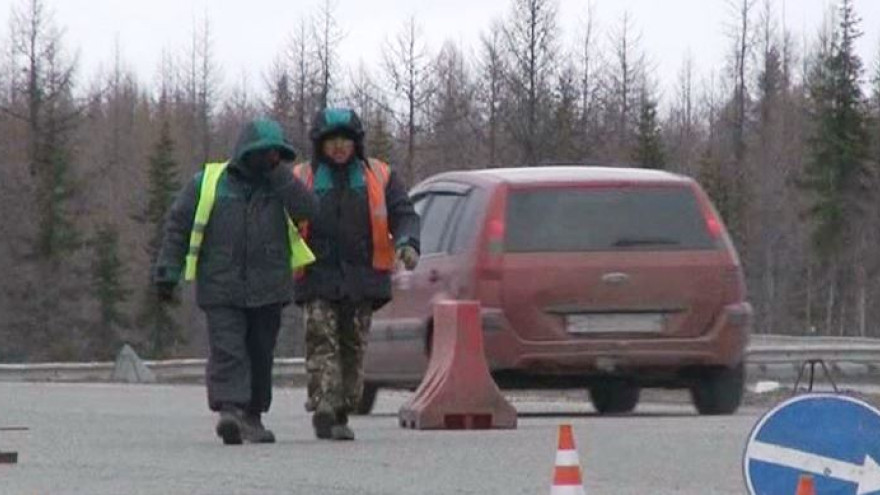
718,390
614,397
368,399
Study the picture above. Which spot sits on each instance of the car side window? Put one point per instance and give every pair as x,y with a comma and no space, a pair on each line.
436,221
466,222
420,204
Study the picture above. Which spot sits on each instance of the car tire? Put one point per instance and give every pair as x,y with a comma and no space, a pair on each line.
718,390
614,397
368,399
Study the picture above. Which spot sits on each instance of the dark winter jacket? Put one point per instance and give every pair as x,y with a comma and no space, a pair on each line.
341,236
244,257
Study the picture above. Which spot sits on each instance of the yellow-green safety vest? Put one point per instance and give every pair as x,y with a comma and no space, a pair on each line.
300,254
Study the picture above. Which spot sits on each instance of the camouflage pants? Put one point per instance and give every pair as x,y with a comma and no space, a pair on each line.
336,337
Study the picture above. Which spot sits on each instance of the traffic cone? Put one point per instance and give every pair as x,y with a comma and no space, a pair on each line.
805,485
567,473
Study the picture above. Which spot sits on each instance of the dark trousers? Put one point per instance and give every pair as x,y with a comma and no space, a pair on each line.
242,346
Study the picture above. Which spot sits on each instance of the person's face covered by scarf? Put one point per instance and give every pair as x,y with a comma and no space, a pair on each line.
262,161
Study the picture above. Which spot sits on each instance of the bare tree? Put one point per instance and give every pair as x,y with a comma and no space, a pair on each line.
531,49
369,101
49,114
625,79
491,86
767,219
237,108
303,72
590,86
281,104
201,80
452,113
741,34
328,36
684,124
407,67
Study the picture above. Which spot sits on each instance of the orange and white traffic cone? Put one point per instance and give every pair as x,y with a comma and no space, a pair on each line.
805,485
567,473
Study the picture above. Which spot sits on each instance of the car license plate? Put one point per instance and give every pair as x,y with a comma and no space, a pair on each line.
614,323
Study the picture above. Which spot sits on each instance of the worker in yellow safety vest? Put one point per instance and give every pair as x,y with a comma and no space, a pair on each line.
233,231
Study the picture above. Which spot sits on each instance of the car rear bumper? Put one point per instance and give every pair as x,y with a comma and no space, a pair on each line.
722,345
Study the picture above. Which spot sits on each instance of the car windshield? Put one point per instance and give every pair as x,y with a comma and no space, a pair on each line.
605,219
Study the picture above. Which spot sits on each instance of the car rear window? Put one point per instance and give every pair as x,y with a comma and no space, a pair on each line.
605,219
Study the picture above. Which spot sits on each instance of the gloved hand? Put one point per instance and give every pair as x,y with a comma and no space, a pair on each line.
408,256
165,291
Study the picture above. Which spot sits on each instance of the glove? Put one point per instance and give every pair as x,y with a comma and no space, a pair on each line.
408,256
165,291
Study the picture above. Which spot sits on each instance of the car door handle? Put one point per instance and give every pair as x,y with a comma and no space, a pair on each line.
434,276
615,278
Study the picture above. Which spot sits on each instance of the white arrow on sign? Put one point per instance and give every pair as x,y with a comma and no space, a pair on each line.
865,476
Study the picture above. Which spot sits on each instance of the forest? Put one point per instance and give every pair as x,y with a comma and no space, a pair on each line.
783,133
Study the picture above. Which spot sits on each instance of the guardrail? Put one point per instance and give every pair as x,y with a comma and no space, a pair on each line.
768,356
172,370
777,349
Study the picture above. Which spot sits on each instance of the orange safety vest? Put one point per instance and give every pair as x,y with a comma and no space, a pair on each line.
376,176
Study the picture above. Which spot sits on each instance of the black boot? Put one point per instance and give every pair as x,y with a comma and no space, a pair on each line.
323,420
230,425
341,430
254,431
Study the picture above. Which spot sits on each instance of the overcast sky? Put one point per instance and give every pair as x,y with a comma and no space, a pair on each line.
249,34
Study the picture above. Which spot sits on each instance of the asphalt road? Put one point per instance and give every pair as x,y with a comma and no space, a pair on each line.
158,439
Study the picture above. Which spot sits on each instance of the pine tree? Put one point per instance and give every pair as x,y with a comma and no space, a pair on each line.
282,104
836,174
163,332
108,289
648,151
565,122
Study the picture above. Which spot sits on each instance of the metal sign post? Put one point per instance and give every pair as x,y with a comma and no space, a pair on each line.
811,363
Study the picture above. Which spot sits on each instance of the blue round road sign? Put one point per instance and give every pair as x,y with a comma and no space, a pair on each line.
835,438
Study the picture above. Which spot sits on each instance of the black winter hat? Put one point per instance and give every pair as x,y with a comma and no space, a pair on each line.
338,122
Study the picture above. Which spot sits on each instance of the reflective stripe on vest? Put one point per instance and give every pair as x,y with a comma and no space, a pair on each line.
376,175
300,254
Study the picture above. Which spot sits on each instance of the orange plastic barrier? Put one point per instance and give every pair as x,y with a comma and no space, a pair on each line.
457,391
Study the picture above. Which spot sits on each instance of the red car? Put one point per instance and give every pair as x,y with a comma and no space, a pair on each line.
607,279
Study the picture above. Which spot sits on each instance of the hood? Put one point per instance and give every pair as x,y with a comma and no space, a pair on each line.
262,134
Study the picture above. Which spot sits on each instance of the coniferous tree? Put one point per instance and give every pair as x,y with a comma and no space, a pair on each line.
281,103
648,151
108,290
836,174
163,333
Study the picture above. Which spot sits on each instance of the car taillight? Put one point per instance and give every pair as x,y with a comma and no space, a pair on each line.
713,225
495,236
492,253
